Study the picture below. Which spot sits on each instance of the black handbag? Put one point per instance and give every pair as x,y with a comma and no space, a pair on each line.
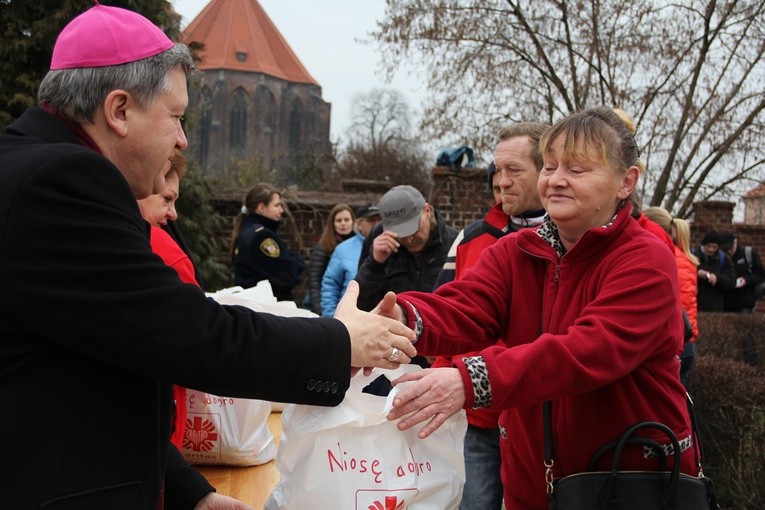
630,490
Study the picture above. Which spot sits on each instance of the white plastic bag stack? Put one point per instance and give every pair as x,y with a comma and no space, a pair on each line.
234,431
227,431
350,457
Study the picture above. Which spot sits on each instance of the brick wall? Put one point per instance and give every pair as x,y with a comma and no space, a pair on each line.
710,215
462,196
719,216
754,206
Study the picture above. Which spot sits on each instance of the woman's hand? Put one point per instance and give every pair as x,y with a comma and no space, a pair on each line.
436,394
387,307
376,340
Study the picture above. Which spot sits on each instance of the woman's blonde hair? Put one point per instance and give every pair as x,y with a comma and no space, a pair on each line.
601,134
682,238
660,216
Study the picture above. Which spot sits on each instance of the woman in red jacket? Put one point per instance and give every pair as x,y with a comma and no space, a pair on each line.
687,267
687,276
587,307
157,210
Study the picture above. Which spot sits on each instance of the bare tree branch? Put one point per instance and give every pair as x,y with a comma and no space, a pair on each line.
690,72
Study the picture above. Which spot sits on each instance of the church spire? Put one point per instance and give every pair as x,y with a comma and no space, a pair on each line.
238,35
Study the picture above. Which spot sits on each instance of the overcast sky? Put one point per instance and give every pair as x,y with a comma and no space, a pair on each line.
326,35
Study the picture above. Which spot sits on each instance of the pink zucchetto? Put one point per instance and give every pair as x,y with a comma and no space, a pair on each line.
107,36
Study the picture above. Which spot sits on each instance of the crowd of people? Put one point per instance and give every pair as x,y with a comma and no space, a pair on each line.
731,279
565,294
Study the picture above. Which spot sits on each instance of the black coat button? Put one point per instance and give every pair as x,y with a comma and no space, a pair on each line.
311,384
335,387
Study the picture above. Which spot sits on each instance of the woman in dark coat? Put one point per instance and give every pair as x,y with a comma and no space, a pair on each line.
338,228
256,248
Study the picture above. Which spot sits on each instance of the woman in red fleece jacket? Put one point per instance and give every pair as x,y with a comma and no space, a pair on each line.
157,209
587,306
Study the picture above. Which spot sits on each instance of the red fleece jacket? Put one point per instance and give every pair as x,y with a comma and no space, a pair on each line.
165,246
607,356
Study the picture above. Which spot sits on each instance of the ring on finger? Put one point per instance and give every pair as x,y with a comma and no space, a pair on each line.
393,354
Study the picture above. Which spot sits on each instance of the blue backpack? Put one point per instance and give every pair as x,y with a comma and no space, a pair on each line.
456,157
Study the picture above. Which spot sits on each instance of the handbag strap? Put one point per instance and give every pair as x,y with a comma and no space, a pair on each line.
548,462
644,441
547,423
669,495
547,426
698,454
698,451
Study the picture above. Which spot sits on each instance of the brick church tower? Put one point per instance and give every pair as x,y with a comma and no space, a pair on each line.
256,101
754,206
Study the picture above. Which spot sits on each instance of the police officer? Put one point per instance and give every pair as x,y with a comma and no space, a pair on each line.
258,251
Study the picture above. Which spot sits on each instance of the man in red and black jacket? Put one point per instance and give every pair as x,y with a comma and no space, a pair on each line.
512,178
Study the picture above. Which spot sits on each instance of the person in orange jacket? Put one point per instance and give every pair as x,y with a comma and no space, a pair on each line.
687,265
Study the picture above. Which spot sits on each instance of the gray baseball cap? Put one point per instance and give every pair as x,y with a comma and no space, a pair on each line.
400,209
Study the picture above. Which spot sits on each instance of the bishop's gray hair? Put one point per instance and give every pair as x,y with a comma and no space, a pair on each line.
76,94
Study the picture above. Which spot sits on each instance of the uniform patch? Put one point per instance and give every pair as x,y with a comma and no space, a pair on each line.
270,248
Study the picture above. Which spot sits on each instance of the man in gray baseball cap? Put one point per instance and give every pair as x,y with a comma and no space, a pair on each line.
406,251
401,208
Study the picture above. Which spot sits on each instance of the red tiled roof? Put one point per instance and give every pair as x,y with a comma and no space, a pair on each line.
238,35
756,192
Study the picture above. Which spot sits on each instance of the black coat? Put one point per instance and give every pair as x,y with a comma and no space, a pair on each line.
753,274
710,298
94,328
261,254
316,268
401,272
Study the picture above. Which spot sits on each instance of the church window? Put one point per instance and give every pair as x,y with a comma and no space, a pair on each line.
238,120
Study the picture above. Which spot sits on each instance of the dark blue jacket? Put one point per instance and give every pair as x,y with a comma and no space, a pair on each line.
262,255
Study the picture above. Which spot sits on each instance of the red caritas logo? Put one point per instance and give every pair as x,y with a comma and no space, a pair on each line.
391,503
200,435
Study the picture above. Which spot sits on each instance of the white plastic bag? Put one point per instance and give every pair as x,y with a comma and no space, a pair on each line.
261,299
350,457
227,431
234,431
